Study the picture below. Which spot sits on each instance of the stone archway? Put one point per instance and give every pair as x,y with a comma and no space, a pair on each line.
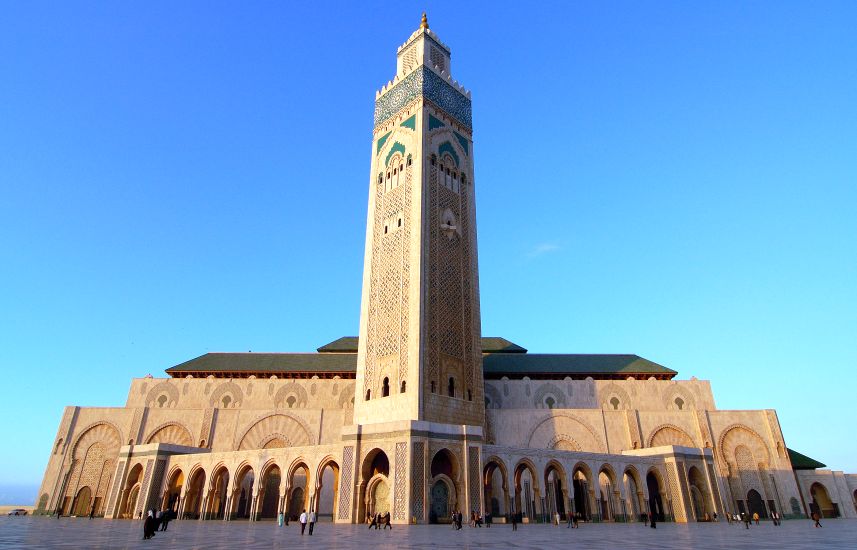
609,509
440,508
700,496
656,489
633,494
173,491
298,493
821,502
192,507
327,490
269,493
582,483
241,500
217,493
82,502
527,494
495,487
131,492
755,504
556,490
375,468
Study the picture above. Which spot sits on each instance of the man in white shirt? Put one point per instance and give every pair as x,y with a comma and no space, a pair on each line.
303,521
311,521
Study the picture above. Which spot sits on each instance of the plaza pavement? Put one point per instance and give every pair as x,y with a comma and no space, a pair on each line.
82,533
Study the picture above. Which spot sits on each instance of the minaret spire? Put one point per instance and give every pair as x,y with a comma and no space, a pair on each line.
424,22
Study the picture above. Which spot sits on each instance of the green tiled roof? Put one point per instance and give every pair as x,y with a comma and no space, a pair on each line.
269,362
803,462
338,358
574,365
490,344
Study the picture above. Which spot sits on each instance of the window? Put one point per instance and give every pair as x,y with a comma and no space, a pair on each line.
400,222
614,402
469,395
291,401
380,178
550,402
679,402
385,389
433,160
162,401
432,386
368,394
402,388
226,401
409,160
451,387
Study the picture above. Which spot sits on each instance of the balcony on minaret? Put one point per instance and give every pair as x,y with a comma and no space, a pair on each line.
423,48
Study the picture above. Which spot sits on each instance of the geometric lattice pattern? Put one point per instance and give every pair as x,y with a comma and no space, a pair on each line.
418,480
475,479
399,509
346,484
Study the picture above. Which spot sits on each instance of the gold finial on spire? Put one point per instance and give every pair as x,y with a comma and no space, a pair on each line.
424,22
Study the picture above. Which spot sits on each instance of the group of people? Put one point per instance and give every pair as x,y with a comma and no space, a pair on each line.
379,519
156,521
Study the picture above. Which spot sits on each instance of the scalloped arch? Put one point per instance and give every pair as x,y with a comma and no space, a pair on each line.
224,388
669,434
565,423
290,388
97,432
546,389
164,387
736,435
295,431
171,432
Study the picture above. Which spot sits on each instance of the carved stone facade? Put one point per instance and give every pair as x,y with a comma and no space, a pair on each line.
422,416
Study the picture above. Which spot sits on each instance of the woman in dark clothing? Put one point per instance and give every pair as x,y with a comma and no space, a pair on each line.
149,526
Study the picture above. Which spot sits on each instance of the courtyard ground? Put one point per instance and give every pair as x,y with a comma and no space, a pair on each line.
41,532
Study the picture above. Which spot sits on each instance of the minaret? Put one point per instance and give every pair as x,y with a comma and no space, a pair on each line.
420,356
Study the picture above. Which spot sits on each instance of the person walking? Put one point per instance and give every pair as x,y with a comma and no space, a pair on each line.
514,517
312,519
303,521
372,521
166,516
645,519
756,517
387,522
652,520
280,519
816,517
746,519
715,517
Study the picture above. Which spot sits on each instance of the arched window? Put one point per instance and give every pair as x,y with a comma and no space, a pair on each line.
614,402
469,395
550,402
432,386
451,387
402,388
679,402
433,160
385,389
226,401
368,394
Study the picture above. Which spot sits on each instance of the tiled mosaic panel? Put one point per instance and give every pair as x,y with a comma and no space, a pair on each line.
427,83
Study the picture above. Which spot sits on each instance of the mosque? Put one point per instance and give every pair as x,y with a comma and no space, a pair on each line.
421,414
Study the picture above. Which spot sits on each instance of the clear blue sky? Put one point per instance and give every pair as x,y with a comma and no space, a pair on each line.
672,179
